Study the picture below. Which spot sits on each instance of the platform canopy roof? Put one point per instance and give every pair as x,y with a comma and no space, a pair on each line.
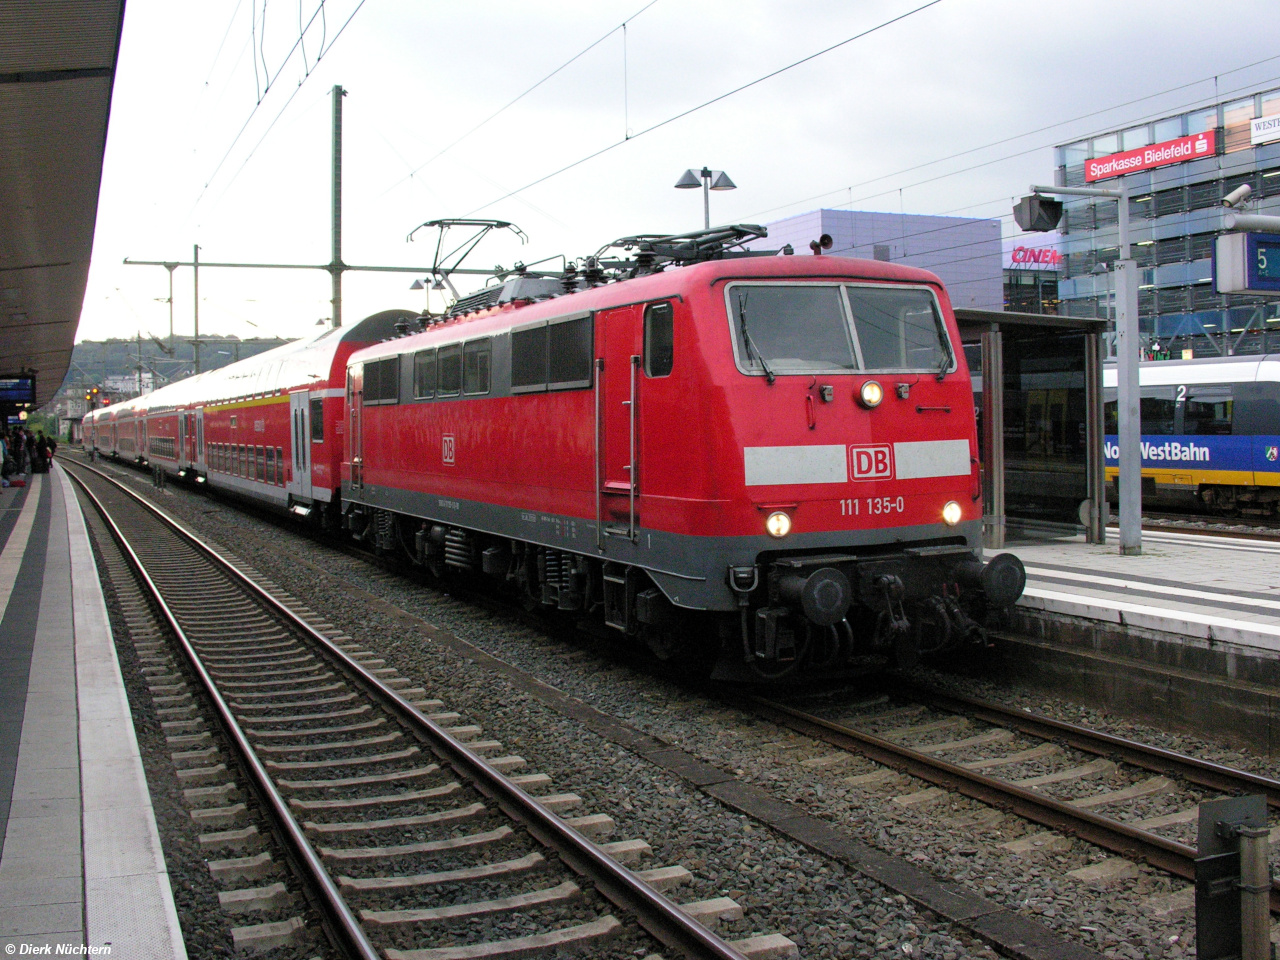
57,68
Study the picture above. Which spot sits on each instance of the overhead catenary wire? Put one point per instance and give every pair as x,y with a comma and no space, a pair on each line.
280,113
262,93
706,103
511,103
1184,106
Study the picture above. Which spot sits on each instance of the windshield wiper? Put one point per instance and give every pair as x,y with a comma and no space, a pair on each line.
751,346
948,354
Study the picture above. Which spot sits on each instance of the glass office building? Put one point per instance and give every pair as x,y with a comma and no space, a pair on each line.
1177,170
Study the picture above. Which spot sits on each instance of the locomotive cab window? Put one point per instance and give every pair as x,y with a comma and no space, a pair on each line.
475,366
804,328
659,339
897,329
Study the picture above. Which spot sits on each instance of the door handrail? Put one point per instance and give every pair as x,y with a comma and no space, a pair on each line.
599,482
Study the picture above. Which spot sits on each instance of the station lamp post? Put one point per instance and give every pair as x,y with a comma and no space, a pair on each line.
709,180
1039,213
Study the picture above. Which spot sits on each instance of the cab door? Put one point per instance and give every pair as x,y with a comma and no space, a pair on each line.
617,384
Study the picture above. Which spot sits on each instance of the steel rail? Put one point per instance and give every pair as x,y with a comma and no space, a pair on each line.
1168,855
1156,759
332,905
657,914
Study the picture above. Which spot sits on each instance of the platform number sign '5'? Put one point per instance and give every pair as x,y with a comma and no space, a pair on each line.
447,448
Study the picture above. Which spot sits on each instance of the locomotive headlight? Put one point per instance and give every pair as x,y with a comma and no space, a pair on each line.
778,524
871,394
951,513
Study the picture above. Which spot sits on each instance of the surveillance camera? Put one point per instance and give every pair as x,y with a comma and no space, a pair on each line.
1237,196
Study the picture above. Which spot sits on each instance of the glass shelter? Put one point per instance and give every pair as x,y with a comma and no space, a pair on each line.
1038,386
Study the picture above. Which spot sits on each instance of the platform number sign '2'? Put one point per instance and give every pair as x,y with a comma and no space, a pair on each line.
871,463
447,448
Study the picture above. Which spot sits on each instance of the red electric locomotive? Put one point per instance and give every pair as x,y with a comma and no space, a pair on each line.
767,460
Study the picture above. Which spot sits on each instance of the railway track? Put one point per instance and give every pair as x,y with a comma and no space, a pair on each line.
986,751
413,837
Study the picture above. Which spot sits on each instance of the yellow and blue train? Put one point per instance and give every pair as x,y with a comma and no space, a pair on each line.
1210,433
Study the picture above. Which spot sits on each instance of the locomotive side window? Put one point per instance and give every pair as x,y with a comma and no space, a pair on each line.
449,370
317,420
424,374
475,366
382,381
569,353
897,329
659,339
529,359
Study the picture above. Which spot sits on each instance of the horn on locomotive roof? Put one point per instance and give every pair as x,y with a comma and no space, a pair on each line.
655,251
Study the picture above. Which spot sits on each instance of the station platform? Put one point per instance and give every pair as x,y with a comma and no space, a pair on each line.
1219,591
81,863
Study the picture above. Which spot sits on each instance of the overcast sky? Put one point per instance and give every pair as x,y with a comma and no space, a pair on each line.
889,121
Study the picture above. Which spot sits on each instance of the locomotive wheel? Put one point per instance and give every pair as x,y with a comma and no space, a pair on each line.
664,642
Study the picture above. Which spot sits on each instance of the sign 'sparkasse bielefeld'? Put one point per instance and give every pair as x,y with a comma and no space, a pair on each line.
1144,158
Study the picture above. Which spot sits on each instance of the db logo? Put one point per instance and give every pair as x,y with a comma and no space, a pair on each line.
871,463
447,448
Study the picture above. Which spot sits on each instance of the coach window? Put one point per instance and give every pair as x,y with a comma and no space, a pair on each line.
475,366
449,370
424,374
262,465
659,339
317,420
570,351
529,359
270,476
1159,408
279,466
1206,410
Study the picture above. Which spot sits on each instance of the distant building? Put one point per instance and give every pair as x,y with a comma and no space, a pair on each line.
964,252
1177,170
1032,265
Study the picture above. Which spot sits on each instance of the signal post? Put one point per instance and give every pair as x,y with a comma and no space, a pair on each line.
1038,213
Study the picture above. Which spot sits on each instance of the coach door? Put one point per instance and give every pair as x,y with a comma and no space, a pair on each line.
199,457
182,439
356,406
300,444
617,421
